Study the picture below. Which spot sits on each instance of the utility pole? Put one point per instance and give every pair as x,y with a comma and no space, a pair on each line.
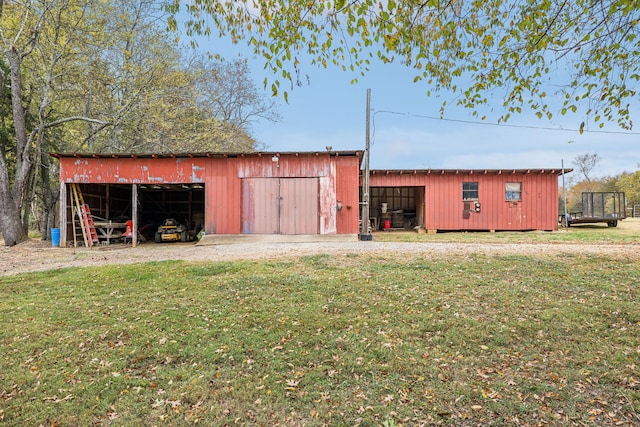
564,223
365,234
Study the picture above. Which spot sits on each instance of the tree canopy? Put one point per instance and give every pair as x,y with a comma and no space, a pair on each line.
105,76
630,184
549,56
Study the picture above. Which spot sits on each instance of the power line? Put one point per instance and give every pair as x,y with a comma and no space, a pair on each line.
420,116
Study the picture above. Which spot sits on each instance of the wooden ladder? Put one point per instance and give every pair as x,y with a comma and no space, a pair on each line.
85,219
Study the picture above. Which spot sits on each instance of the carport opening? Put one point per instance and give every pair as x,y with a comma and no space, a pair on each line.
158,204
396,208
170,212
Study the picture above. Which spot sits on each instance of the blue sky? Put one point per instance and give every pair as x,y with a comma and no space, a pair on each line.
330,111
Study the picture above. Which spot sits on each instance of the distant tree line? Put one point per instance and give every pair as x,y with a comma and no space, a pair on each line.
584,181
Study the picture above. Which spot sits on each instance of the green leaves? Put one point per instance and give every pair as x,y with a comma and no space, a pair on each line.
517,46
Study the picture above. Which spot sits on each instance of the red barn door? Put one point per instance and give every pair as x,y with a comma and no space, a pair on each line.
280,206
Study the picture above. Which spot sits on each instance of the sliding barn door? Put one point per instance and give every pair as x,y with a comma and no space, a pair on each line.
280,206
299,206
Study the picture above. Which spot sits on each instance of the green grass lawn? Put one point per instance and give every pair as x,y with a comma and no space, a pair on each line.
627,232
322,340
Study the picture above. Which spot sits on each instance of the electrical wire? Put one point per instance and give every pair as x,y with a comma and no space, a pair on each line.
421,116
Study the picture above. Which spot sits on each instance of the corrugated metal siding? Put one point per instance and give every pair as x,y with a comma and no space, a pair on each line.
260,206
336,179
444,207
536,211
326,205
280,206
132,171
219,206
293,166
332,175
299,212
347,173
215,202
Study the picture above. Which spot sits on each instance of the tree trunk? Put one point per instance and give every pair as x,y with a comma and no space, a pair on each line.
10,224
49,195
27,200
12,199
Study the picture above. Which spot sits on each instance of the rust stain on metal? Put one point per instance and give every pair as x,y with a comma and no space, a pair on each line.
309,185
445,209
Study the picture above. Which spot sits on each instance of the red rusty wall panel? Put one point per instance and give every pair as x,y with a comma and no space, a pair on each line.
337,179
260,206
290,166
219,205
280,206
299,213
216,203
299,167
326,204
447,207
234,196
408,179
132,171
347,173
536,211
336,176
444,207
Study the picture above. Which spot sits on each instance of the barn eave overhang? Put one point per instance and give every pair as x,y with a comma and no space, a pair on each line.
80,155
539,171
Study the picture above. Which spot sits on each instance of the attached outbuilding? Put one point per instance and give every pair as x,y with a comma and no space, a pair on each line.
465,200
220,193
292,193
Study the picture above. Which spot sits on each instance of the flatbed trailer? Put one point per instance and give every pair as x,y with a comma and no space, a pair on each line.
597,207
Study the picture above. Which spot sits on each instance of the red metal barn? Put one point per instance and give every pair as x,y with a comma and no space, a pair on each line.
490,200
224,193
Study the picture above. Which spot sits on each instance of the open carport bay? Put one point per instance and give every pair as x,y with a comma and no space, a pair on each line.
112,205
396,208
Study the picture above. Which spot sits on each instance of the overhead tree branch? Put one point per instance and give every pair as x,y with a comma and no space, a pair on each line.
75,118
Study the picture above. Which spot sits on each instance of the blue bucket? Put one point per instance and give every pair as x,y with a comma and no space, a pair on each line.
55,237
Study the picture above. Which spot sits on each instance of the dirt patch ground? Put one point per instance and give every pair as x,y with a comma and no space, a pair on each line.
38,255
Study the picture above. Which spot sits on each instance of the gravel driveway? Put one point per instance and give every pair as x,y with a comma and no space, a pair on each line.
36,255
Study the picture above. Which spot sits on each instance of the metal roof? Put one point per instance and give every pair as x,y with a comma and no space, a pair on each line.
202,154
468,171
344,153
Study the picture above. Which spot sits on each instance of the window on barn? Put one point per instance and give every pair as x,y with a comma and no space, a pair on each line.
469,191
513,191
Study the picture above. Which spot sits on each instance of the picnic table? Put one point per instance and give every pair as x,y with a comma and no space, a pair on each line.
109,230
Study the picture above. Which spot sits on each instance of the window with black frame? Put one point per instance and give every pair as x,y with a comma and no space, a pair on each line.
469,191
